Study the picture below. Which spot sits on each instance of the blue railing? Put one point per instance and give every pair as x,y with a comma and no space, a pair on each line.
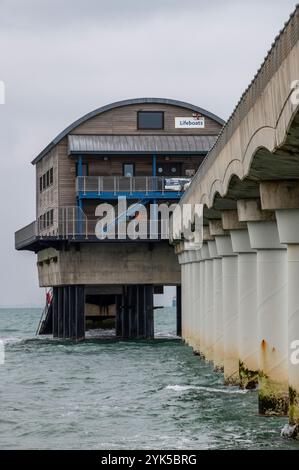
90,187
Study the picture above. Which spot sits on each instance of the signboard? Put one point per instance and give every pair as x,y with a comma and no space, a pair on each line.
189,122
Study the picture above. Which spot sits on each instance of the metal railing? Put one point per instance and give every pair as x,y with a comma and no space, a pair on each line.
131,185
71,223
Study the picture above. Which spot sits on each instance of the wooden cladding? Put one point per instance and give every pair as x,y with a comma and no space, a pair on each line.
123,120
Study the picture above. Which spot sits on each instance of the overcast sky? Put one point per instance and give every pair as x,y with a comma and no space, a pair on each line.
61,59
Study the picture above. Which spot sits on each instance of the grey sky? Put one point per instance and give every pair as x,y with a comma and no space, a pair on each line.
61,59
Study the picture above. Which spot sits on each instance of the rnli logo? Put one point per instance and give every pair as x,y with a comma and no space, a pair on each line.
190,122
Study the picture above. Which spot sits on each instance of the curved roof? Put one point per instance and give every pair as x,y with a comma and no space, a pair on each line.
119,104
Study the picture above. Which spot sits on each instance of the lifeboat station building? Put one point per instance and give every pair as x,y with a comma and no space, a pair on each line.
144,151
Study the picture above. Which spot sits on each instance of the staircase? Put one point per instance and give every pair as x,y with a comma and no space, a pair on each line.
45,325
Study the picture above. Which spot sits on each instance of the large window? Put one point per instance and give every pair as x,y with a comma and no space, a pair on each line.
150,120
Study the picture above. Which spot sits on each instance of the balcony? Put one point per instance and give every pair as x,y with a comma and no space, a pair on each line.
137,187
71,225
26,236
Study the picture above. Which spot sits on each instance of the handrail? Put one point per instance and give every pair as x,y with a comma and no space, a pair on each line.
130,184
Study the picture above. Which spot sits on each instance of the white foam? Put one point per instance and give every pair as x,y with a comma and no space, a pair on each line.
100,332
184,388
10,339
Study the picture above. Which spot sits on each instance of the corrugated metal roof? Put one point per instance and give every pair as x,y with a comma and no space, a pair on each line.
119,104
140,143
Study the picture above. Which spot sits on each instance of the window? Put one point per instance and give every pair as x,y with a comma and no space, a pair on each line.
150,120
128,169
46,220
46,180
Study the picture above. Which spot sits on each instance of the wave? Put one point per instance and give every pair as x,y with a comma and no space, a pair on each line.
162,335
95,332
184,388
11,340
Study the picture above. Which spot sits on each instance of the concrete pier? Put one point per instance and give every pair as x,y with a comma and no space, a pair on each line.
283,198
218,351
271,307
230,303
247,298
209,303
249,189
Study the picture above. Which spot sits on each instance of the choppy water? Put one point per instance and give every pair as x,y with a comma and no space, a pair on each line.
120,395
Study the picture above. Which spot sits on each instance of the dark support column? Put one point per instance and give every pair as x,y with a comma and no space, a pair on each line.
60,312
72,307
67,311
135,317
118,315
125,313
55,312
141,312
149,305
133,311
179,310
80,312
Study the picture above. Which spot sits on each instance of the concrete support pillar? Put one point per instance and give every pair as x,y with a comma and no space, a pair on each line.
179,310
272,314
230,302
248,320
194,257
206,278
230,318
195,328
283,197
188,307
271,306
197,282
193,338
183,284
217,339
288,223
202,305
288,227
